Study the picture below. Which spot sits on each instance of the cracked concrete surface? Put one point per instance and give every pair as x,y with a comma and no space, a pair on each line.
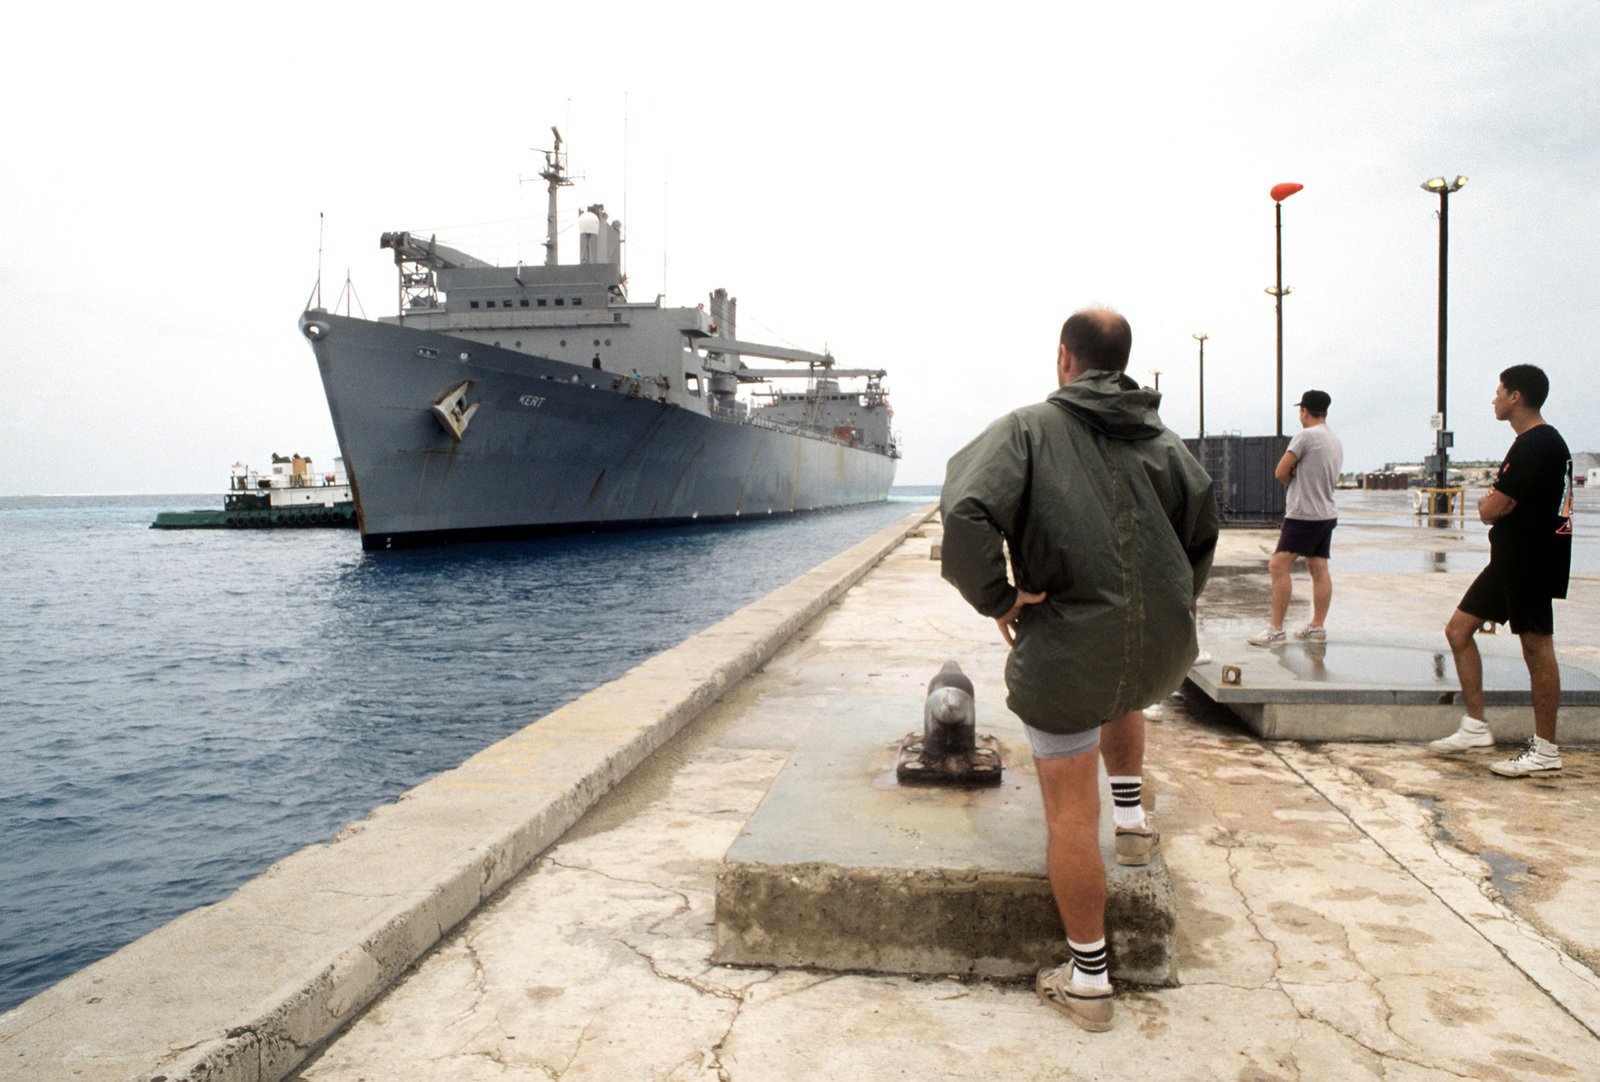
1345,911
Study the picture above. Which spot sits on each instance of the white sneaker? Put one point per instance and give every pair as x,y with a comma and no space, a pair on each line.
1312,634
1268,636
1473,733
1091,1008
1541,757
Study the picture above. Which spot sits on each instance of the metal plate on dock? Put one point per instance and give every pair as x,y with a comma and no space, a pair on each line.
981,766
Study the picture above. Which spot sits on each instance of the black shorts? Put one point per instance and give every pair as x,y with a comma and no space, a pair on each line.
1307,537
1498,595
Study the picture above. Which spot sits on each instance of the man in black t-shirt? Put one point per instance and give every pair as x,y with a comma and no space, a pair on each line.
1529,514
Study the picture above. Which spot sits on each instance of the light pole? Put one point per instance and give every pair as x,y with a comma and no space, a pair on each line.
1279,193
1443,440
1156,372
1201,336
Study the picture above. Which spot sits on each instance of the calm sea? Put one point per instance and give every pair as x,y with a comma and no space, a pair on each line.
179,709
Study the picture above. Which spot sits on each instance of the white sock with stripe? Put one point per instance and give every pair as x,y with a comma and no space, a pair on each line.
1089,964
1127,796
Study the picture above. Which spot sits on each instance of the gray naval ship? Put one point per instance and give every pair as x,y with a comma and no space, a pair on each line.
517,401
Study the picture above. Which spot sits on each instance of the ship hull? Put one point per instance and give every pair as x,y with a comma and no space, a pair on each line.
551,447
340,514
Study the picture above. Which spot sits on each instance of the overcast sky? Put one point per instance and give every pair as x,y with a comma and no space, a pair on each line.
928,193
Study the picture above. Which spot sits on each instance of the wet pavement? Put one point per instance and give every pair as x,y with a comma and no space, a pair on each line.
1386,672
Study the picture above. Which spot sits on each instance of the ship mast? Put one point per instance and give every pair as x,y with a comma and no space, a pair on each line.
555,176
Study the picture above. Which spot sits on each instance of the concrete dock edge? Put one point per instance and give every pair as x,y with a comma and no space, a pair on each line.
244,990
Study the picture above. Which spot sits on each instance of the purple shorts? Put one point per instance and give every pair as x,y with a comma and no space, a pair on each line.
1307,537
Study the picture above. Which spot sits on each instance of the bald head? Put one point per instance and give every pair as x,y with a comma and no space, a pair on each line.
1098,338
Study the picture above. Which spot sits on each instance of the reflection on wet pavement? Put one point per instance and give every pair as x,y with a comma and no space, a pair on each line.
1395,666
1394,538
1467,560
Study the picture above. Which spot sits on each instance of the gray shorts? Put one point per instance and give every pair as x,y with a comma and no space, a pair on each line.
1061,745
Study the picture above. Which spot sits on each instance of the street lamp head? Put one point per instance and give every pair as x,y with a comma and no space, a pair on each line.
1280,192
1273,290
1460,182
1199,336
1440,186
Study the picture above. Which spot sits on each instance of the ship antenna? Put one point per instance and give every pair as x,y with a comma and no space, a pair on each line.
625,218
322,228
347,297
315,299
555,177
350,287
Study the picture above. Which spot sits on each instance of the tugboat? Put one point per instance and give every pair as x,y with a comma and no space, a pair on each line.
523,400
291,495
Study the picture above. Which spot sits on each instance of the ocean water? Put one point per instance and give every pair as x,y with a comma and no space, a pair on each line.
179,709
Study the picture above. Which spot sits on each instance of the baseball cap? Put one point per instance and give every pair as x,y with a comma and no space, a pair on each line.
1316,402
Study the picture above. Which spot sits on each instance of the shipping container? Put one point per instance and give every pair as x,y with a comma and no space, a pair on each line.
1241,475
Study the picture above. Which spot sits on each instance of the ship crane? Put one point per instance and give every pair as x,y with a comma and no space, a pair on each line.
419,262
821,364
756,375
429,253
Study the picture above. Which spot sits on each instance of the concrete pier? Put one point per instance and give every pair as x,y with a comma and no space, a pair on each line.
1342,909
247,988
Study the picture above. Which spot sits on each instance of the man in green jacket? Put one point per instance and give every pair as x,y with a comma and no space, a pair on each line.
1111,526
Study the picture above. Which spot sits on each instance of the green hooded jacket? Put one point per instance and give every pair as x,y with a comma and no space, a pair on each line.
1105,511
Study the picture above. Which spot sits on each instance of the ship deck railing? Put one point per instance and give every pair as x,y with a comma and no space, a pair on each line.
742,414
739,413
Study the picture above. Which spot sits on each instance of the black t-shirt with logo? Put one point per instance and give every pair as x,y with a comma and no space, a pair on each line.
1534,541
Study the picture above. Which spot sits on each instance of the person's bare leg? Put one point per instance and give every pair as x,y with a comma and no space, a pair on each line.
1469,663
1544,674
1321,589
1122,745
1282,588
1077,872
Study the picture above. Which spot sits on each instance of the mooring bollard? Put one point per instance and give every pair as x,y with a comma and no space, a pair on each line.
949,750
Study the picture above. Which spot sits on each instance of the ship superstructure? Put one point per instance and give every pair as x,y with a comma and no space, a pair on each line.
539,398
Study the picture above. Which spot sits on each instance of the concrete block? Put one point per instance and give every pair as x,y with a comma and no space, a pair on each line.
1396,686
842,869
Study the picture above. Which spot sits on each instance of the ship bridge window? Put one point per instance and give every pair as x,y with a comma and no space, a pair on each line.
473,303
577,302
616,317
542,302
560,301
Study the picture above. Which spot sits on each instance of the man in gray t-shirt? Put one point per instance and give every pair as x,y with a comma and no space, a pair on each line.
1310,467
